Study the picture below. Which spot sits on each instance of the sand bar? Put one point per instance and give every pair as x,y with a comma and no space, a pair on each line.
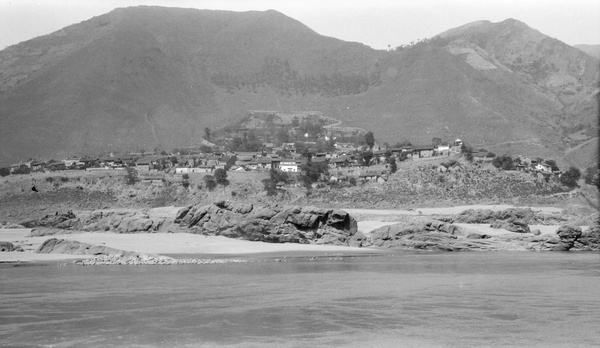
158,243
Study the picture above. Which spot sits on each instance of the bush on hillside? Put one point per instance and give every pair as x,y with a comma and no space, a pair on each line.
570,177
505,162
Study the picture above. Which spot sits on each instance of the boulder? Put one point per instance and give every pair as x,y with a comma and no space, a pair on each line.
589,240
7,247
567,235
515,226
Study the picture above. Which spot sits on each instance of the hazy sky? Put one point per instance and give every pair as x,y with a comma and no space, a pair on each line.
377,23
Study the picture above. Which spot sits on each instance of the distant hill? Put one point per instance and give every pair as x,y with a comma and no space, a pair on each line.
152,77
592,50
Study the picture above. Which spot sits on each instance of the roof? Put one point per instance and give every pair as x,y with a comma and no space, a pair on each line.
144,161
423,148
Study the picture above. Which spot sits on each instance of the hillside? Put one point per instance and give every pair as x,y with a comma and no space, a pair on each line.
131,80
592,50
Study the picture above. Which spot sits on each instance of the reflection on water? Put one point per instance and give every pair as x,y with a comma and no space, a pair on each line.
410,299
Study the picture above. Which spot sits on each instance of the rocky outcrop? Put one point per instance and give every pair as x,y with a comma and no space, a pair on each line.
514,226
438,235
8,247
72,247
511,215
429,235
114,221
513,219
56,221
269,224
589,239
567,235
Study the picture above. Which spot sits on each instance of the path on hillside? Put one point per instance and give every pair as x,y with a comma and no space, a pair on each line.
146,116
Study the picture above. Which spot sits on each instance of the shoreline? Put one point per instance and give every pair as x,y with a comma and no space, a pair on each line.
184,245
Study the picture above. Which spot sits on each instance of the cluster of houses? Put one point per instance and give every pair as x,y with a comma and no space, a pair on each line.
238,161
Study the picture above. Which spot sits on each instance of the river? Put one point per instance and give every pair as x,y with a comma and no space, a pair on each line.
419,299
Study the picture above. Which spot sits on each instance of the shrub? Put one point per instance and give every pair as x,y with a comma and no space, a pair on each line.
64,179
49,179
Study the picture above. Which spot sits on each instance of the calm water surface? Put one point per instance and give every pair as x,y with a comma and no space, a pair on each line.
402,299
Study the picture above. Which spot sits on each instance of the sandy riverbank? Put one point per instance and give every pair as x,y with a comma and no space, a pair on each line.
157,243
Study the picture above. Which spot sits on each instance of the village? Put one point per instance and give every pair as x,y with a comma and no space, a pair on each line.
348,161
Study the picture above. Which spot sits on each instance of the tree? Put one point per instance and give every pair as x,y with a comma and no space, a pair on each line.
436,141
393,165
282,136
401,144
207,133
185,182
505,162
131,175
276,176
553,165
4,171
467,152
370,139
592,176
205,149
570,177
210,182
315,170
221,177
295,122
366,157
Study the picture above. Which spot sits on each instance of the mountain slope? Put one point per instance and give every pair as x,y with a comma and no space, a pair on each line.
131,79
592,50
148,77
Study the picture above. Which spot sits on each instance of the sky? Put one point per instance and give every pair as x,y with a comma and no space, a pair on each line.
377,23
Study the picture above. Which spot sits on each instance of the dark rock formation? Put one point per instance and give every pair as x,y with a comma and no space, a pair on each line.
269,224
589,239
568,235
7,247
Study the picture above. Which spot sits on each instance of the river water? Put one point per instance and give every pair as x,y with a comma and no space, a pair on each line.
386,300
